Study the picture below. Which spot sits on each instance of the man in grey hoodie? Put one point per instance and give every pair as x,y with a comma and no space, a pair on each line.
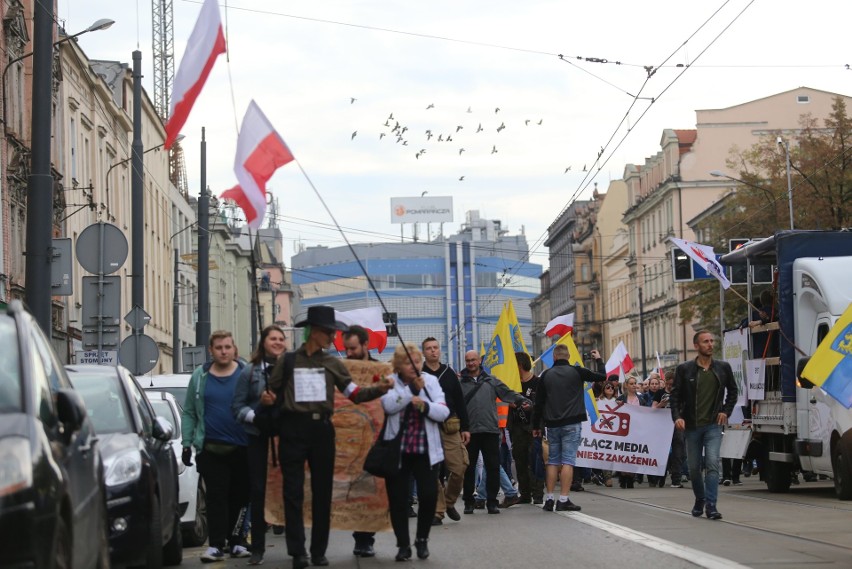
480,391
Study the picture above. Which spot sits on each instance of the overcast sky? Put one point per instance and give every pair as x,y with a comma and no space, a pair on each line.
438,65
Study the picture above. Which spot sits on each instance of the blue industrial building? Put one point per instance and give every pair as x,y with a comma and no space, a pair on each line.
452,288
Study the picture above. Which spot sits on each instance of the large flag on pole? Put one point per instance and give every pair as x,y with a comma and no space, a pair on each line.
831,365
560,326
205,44
518,344
499,359
368,318
704,256
619,361
260,152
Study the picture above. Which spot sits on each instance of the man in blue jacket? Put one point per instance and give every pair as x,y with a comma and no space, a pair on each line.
702,399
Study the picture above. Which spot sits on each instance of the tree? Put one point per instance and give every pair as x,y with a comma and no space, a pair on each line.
821,165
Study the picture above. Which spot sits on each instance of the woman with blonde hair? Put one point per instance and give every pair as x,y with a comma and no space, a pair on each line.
414,409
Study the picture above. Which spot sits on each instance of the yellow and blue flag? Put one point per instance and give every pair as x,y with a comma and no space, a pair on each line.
831,365
574,358
499,359
518,343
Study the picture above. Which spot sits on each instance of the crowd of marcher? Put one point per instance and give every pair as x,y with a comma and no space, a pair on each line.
461,435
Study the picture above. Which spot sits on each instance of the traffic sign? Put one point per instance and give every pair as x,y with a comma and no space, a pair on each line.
137,318
107,357
102,248
145,347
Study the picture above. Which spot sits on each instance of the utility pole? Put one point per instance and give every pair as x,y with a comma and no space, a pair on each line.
176,320
642,333
137,191
202,328
40,182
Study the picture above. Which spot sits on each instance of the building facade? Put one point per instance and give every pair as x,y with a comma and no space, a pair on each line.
452,289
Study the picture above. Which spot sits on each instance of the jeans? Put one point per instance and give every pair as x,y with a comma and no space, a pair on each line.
709,439
505,485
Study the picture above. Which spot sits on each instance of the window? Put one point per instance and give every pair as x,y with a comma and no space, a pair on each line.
803,99
145,412
10,368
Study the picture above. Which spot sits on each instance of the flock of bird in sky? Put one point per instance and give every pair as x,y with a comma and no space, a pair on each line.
398,132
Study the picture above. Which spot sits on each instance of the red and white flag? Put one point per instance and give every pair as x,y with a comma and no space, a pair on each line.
368,318
260,152
205,44
560,326
619,360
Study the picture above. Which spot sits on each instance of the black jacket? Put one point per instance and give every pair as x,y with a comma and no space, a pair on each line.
683,398
452,393
559,400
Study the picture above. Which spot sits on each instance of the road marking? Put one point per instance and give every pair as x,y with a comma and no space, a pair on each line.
695,556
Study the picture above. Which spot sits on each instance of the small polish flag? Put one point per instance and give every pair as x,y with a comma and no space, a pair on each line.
560,326
205,44
260,152
619,360
368,318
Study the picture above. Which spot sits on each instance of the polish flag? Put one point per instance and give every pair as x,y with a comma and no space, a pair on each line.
260,152
368,318
205,44
560,326
619,360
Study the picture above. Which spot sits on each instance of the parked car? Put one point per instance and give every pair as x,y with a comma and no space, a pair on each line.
141,468
51,475
174,383
191,496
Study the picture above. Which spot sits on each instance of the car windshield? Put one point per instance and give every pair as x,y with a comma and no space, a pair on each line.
10,368
178,392
104,401
164,410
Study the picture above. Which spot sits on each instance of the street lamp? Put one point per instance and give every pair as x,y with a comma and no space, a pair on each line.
40,181
720,174
101,24
786,145
128,159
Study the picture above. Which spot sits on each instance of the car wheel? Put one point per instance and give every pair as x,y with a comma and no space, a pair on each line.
195,534
842,474
154,553
62,546
173,550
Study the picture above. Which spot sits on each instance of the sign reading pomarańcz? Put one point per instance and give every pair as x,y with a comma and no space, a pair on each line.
422,210
627,438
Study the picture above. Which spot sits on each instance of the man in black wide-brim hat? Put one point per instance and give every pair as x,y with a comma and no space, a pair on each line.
307,433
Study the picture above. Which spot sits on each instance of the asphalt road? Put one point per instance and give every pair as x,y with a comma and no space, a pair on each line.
638,528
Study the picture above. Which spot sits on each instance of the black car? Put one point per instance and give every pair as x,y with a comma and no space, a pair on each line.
141,468
52,497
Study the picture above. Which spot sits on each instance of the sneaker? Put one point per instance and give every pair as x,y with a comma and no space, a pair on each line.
567,506
468,508
256,558
436,521
726,482
411,512
676,485
578,487
737,483
479,504
712,512
278,530
453,514
548,506
538,501
493,509
698,508
240,552
212,555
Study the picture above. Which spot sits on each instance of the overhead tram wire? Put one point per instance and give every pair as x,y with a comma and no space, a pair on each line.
592,173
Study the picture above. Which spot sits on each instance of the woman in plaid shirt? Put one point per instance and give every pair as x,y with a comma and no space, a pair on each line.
415,407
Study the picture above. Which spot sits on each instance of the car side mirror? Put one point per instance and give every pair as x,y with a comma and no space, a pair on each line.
70,410
162,429
800,367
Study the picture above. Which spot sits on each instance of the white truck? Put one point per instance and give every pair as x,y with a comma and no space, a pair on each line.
796,424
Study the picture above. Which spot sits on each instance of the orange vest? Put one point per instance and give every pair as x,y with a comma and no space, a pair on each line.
502,413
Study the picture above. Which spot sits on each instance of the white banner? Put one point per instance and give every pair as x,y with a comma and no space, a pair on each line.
735,352
627,438
755,376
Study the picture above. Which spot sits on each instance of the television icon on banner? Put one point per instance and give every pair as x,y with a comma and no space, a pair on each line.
612,422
